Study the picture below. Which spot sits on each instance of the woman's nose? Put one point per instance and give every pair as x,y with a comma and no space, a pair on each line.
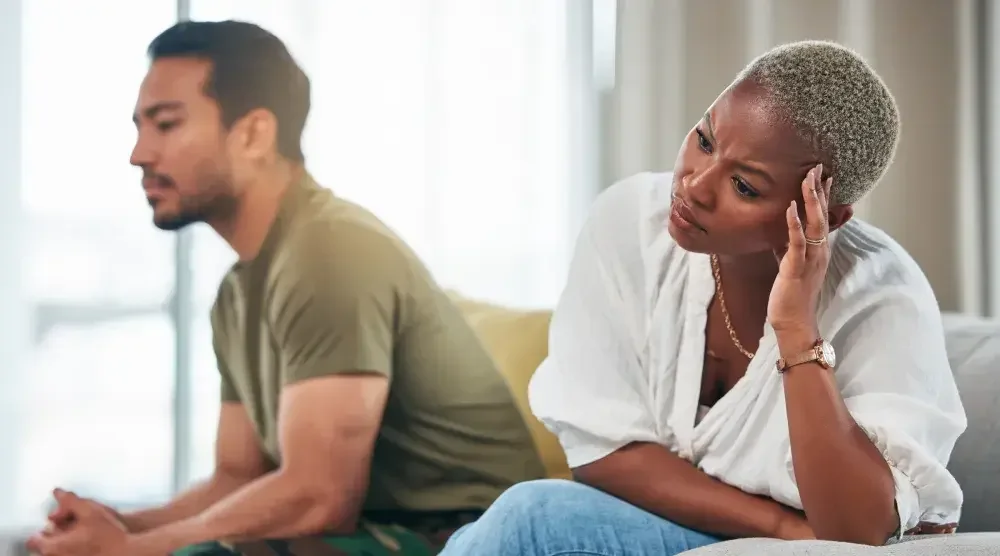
700,187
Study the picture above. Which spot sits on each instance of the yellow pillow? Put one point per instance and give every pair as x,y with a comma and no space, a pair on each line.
518,341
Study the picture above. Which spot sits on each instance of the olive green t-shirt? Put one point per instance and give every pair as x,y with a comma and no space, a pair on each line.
333,290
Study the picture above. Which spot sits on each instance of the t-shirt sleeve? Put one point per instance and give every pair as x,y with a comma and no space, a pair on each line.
591,389
227,390
333,304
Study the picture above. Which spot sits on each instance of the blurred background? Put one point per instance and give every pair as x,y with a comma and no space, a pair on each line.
479,129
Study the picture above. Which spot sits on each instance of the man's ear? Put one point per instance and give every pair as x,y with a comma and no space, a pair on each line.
838,215
256,133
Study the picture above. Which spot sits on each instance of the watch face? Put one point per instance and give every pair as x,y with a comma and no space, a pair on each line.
828,354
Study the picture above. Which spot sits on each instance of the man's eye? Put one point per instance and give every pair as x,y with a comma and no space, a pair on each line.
166,126
703,142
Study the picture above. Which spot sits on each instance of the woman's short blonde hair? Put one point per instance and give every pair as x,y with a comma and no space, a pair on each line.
837,103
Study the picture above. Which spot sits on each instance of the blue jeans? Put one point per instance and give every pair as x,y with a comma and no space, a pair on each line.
562,518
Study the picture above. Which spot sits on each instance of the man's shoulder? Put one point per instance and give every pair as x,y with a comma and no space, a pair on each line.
226,301
340,241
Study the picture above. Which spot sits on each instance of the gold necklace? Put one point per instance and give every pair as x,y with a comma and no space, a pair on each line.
722,305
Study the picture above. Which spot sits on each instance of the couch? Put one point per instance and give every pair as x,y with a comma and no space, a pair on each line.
518,340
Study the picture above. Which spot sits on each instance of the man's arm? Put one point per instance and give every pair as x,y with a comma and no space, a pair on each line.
327,430
238,461
662,483
333,314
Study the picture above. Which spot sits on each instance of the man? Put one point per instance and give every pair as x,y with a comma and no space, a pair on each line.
356,401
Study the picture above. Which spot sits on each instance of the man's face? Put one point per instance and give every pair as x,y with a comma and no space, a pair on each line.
181,145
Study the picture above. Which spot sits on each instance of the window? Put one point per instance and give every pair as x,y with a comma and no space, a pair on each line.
93,410
447,118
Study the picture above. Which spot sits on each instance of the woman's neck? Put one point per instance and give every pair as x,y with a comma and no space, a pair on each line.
749,275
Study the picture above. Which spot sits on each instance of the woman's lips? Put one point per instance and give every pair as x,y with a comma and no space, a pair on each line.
683,217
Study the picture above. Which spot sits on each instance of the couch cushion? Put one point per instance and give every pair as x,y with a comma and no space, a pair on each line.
974,352
518,341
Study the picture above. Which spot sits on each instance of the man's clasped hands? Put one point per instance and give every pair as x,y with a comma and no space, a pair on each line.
81,527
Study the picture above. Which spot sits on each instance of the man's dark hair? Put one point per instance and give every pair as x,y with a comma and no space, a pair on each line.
250,68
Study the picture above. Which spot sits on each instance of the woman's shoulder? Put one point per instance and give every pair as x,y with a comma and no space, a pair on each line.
626,223
868,266
862,252
631,200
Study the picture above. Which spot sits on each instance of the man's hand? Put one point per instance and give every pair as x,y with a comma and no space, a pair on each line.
61,517
83,528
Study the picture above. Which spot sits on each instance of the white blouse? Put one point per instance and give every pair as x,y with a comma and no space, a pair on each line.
627,343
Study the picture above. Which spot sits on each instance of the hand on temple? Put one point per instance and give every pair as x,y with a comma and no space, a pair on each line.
803,265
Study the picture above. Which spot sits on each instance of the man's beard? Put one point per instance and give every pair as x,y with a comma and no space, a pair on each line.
177,222
214,204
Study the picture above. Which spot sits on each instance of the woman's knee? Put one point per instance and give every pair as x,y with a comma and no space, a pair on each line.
562,517
539,498
521,521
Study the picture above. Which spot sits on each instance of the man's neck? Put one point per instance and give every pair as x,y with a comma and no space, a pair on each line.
246,229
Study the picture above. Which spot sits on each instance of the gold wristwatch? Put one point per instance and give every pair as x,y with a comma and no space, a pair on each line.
821,352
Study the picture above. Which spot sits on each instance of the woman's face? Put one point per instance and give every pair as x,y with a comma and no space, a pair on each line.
736,173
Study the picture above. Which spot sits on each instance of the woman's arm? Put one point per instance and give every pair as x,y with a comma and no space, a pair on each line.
845,484
867,435
657,480
595,361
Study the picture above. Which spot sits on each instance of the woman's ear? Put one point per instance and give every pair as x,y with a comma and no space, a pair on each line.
838,215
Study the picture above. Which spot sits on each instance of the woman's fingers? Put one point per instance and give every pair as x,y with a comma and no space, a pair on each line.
813,192
796,238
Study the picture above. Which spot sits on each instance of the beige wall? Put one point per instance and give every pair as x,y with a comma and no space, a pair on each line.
675,56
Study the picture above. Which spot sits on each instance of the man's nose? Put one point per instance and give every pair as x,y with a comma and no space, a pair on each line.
143,154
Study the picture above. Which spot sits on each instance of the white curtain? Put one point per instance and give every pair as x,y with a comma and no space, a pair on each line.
676,56
449,120
86,354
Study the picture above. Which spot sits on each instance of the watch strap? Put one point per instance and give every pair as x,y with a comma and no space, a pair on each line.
808,356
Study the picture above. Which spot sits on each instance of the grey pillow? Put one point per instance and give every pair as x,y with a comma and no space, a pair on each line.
974,351
972,544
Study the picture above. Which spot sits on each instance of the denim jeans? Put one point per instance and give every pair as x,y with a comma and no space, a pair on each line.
562,518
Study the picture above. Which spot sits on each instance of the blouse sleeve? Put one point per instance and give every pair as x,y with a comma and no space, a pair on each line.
591,391
896,381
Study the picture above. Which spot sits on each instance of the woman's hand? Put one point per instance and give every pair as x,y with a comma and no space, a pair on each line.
791,308
794,527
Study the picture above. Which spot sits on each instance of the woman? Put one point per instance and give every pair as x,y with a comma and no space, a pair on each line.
734,355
